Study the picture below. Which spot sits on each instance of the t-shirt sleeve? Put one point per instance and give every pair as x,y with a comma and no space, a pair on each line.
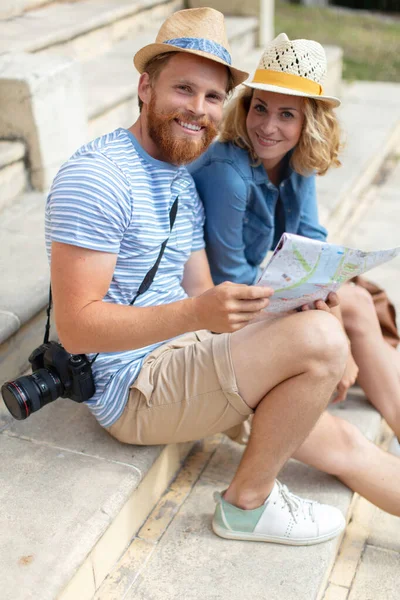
89,204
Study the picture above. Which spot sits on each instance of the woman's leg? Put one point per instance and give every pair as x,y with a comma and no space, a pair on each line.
395,357
339,448
378,376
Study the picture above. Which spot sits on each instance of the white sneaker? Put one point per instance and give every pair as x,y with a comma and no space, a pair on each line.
283,518
394,447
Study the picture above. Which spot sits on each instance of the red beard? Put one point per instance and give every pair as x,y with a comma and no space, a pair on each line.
178,150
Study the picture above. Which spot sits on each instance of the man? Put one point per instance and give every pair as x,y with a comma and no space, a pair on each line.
183,362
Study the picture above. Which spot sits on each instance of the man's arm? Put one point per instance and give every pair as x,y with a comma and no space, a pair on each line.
197,276
85,323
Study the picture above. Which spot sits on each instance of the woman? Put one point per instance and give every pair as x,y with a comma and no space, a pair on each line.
259,181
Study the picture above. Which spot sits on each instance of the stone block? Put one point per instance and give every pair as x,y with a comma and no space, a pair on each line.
9,324
385,532
42,103
11,8
23,260
70,426
264,10
13,181
14,352
11,152
57,505
213,568
377,577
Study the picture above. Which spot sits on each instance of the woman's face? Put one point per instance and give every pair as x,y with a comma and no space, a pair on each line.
274,123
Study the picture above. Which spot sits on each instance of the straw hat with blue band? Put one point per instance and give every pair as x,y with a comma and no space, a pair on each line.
293,67
198,31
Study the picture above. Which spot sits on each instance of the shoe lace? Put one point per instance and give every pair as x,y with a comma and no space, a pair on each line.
296,504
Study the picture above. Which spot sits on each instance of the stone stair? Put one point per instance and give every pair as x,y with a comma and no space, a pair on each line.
13,175
74,497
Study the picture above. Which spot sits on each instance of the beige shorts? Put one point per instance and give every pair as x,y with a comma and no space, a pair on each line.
185,390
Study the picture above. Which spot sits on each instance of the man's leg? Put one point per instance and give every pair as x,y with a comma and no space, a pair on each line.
339,448
287,370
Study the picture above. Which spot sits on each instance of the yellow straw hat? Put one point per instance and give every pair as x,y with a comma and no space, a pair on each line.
293,67
198,31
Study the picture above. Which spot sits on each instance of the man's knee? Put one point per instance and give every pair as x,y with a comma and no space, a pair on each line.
324,342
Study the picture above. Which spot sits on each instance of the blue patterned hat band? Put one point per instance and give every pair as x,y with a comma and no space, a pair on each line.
204,45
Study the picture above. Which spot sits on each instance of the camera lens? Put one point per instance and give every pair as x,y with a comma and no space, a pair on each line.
29,393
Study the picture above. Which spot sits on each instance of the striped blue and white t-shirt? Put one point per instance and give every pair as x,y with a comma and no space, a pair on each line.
112,196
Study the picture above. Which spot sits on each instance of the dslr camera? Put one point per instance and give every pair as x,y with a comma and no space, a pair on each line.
56,373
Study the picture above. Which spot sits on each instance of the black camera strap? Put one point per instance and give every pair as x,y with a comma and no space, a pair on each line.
144,286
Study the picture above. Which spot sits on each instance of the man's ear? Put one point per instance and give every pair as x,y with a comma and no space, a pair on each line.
144,88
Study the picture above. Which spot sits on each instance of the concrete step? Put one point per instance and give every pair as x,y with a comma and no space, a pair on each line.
184,559
14,8
72,499
116,105
25,276
80,29
370,120
13,175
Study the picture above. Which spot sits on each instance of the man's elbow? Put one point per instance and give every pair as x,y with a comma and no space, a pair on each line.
71,336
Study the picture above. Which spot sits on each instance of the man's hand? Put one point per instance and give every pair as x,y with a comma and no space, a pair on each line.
349,378
230,306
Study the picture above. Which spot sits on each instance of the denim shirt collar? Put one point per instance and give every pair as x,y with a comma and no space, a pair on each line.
260,175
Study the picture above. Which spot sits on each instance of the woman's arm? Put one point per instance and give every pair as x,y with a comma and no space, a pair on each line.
223,192
309,221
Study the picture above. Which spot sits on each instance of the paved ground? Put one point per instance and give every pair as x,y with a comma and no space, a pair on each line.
176,554
368,564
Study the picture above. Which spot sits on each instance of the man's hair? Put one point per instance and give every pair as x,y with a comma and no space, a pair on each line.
319,143
156,65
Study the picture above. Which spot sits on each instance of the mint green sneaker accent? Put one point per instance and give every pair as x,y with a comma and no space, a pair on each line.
283,519
233,518
218,517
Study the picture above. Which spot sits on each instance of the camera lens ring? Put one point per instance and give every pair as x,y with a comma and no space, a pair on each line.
29,393
16,400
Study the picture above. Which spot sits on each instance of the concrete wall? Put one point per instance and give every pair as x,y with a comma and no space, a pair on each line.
262,9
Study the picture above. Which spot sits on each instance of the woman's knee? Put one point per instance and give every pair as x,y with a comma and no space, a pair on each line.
358,310
349,447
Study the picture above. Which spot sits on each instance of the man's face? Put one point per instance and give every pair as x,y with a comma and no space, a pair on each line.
185,107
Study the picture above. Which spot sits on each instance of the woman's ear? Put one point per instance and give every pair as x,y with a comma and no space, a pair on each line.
144,88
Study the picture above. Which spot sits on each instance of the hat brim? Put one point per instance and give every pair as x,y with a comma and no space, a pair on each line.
148,52
334,102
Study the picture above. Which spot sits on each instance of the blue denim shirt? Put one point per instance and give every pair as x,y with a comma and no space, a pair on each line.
243,217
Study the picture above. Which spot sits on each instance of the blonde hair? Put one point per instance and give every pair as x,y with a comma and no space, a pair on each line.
319,143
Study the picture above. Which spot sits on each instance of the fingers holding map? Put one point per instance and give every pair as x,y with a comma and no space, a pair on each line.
302,270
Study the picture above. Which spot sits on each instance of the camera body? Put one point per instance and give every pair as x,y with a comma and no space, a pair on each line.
74,370
55,373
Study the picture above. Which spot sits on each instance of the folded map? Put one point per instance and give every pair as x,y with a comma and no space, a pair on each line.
302,270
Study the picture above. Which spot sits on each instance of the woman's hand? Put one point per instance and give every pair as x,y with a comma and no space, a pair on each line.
331,301
349,378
